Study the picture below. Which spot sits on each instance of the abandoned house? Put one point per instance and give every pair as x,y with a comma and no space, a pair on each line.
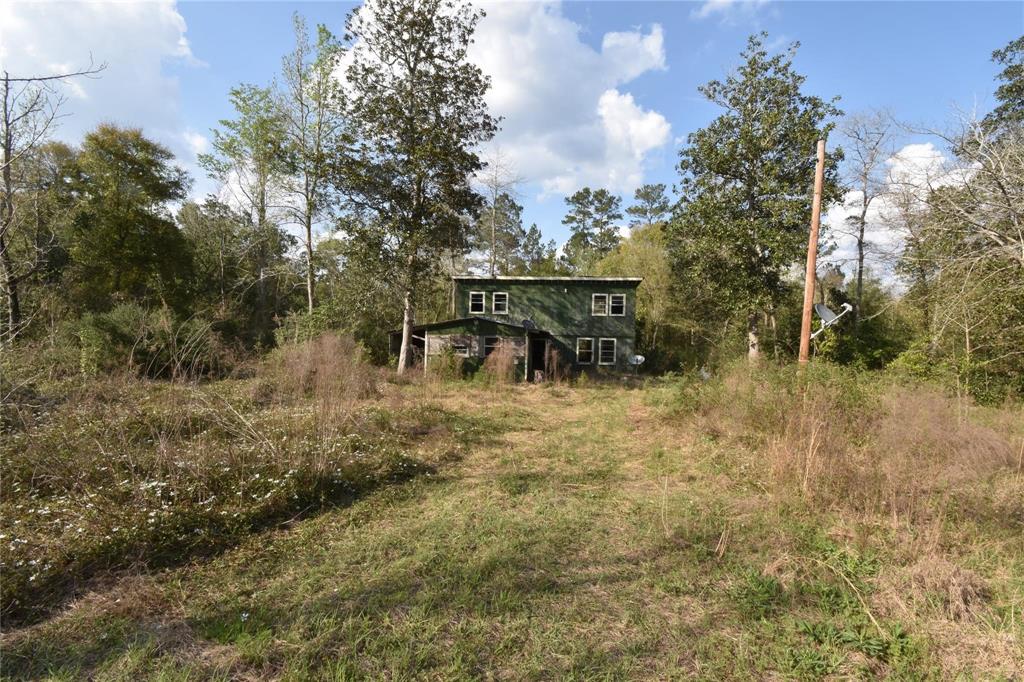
580,324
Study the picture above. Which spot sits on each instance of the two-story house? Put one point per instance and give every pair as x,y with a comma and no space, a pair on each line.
590,322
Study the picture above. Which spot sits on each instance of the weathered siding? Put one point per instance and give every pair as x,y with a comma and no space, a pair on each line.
563,308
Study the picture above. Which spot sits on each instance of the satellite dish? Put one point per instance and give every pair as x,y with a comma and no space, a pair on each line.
828,318
529,324
826,315
636,359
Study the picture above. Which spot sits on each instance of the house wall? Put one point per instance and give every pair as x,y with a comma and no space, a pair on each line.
562,308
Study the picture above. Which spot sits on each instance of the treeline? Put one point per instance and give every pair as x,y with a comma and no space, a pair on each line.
347,204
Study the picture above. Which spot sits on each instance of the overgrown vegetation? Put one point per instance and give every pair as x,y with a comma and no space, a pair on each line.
111,473
598,531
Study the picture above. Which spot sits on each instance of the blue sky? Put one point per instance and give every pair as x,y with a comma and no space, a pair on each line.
598,93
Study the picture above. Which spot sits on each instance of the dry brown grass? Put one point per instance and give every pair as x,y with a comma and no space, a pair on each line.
860,442
500,365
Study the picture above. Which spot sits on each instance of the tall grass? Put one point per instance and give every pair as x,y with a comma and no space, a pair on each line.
125,471
500,366
863,441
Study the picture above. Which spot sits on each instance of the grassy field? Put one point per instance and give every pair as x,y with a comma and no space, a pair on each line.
740,530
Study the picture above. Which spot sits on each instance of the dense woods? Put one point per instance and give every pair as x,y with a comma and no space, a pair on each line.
346,204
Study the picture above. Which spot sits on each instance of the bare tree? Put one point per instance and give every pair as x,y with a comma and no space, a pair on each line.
868,145
31,108
498,177
310,102
964,240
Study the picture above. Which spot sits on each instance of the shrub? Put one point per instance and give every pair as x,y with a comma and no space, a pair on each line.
152,343
446,366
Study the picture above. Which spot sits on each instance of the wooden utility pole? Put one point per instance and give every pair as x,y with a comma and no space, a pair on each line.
812,256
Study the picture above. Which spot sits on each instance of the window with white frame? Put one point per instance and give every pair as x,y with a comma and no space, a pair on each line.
499,303
599,304
490,344
460,348
584,351
606,352
617,306
477,302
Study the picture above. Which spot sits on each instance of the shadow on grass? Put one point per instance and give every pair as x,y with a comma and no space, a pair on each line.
198,534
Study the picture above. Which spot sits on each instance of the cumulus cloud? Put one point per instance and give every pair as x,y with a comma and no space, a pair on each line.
134,39
567,120
913,166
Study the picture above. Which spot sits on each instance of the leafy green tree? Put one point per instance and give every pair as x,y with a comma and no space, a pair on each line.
663,331
123,242
309,101
249,159
747,181
1010,92
651,206
592,220
417,113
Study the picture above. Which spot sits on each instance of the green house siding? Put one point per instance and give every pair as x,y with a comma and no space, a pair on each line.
561,307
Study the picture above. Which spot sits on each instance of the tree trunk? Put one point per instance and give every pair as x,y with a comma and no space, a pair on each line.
407,317
309,261
753,338
860,264
10,280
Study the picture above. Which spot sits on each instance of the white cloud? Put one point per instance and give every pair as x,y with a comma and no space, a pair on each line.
197,142
134,39
566,120
916,165
728,10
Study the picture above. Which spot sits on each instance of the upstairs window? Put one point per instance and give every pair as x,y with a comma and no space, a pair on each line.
599,304
477,303
618,305
499,303
584,351
606,352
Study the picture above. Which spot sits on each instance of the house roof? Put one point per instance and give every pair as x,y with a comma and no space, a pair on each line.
517,278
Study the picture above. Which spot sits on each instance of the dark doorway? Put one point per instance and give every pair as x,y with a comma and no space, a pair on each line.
538,357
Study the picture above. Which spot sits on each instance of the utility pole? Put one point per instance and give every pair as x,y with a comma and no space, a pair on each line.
812,256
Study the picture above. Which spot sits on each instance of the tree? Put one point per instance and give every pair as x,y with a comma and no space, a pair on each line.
123,242
644,253
417,112
536,256
249,160
869,145
591,219
499,231
651,207
309,101
746,188
1010,92
499,181
31,107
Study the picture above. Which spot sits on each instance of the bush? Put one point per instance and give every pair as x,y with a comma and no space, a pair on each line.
151,343
446,366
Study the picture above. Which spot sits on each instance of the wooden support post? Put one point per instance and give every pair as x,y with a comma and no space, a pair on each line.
812,256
